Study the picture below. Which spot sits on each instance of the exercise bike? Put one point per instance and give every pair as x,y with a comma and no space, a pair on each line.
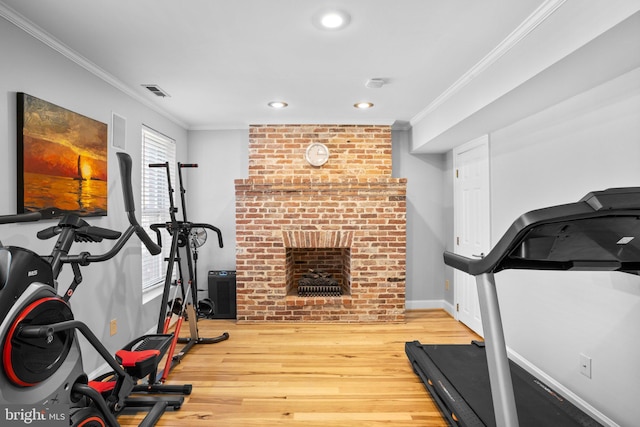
42,364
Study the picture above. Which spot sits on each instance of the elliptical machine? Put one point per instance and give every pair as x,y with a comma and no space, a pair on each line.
182,235
42,363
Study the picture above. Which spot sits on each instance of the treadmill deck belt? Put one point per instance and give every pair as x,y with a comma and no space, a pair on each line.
454,370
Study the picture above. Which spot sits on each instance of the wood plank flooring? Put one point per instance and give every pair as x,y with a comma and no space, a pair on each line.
309,374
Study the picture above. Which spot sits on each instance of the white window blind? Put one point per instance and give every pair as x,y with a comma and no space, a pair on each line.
156,148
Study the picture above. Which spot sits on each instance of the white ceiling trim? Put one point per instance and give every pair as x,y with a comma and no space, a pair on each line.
38,33
524,29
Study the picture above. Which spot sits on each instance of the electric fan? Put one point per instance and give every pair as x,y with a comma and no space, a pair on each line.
197,237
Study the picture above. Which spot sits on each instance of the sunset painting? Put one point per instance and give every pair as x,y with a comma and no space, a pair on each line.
62,160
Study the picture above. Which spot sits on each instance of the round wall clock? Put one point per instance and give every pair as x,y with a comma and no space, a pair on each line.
317,154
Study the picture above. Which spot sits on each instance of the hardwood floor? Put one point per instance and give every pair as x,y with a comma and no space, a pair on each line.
309,374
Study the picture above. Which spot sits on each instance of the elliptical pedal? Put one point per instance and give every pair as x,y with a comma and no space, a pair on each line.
158,342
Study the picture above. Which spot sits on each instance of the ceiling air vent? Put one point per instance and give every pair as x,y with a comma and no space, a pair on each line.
155,89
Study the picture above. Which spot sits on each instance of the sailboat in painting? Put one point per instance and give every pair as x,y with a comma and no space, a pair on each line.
80,177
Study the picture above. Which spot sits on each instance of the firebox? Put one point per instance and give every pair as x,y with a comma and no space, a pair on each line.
313,271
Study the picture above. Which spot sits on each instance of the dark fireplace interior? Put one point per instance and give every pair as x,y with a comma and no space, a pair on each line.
332,262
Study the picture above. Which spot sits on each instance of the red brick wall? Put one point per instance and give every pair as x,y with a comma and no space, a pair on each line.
356,152
350,202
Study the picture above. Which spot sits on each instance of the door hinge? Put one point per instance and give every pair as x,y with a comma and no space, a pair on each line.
457,307
458,241
457,174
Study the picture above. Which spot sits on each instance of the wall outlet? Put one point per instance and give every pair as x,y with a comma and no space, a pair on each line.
113,327
585,365
446,285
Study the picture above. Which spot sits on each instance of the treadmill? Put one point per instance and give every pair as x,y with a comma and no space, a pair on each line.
476,384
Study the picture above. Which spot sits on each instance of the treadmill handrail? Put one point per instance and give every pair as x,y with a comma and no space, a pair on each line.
498,258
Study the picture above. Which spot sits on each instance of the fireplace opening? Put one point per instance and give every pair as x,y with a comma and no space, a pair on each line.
318,283
314,272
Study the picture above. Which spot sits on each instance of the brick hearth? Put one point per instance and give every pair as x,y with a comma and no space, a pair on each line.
348,216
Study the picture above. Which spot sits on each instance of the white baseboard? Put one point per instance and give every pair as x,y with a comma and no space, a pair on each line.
430,304
565,392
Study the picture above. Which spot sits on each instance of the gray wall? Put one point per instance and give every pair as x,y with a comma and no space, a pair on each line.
222,156
425,175
110,290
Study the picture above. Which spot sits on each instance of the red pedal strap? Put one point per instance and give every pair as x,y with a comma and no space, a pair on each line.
102,386
130,358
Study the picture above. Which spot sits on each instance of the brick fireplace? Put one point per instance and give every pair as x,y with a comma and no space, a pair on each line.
347,217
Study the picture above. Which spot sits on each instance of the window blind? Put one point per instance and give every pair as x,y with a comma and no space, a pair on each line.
156,148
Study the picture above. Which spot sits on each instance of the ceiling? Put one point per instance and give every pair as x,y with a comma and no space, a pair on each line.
221,62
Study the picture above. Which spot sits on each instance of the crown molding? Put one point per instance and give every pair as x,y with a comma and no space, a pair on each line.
520,33
38,33
298,121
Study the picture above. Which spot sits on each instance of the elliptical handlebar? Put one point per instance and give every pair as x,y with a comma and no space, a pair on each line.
127,191
210,227
179,226
22,217
101,233
83,232
156,228
125,178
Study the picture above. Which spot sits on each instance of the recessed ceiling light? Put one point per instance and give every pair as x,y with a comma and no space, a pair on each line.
277,104
331,19
363,105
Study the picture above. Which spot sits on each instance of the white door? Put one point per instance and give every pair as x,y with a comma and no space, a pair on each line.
471,222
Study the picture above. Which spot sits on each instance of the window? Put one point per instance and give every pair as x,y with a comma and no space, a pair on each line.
156,148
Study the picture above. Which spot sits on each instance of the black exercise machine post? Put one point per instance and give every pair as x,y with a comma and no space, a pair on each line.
180,233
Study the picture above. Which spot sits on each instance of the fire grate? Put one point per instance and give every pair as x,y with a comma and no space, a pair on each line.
318,283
